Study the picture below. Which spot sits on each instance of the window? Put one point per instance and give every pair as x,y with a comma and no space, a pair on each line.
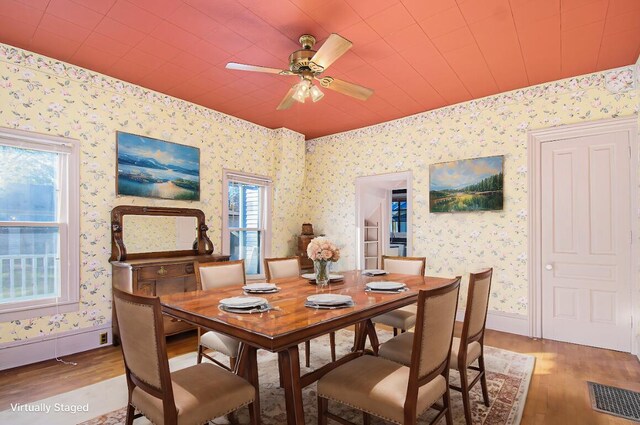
247,219
399,211
39,230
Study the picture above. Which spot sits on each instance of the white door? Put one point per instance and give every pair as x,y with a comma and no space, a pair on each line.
586,241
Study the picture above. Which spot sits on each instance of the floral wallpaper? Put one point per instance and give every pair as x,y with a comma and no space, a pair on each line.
43,95
288,159
315,184
455,244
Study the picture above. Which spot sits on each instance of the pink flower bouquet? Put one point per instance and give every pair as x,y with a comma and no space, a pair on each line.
322,252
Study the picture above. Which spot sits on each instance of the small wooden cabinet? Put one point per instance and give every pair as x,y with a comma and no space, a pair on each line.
157,277
303,241
158,273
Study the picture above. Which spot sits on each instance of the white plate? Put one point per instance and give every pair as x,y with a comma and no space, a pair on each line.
385,286
312,276
329,299
260,287
259,309
243,302
374,272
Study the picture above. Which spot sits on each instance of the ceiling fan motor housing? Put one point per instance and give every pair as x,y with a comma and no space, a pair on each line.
300,60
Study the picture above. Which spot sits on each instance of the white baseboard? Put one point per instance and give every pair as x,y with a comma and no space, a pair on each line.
33,350
504,322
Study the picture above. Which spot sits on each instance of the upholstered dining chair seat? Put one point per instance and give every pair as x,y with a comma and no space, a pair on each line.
378,386
398,349
201,393
221,343
473,352
401,318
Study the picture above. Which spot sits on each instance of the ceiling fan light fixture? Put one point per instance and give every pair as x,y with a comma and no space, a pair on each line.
316,93
302,91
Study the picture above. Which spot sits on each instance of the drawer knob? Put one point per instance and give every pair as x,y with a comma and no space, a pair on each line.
162,271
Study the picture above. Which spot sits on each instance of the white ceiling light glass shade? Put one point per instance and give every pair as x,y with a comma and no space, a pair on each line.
316,93
302,91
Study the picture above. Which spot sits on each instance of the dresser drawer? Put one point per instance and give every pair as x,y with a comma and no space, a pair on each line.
161,272
174,326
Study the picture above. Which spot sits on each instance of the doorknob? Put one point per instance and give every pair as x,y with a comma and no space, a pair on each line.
549,267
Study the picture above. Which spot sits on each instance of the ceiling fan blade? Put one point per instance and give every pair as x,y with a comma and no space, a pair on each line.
332,49
255,68
288,100
344,87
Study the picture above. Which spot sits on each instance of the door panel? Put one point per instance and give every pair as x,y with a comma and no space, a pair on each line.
586,241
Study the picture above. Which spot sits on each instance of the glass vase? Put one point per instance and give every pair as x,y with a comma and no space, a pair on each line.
321,268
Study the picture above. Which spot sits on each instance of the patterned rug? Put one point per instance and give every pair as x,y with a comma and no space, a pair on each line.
508,375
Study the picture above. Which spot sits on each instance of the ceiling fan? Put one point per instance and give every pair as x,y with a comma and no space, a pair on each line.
309,64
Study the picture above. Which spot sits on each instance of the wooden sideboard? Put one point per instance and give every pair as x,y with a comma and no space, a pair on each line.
158,273
159,276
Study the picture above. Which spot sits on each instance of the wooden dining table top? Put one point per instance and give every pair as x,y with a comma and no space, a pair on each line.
290,322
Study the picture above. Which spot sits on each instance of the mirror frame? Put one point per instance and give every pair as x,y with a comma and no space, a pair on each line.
119,251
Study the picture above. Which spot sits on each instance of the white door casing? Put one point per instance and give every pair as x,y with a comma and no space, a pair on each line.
581,240
362,184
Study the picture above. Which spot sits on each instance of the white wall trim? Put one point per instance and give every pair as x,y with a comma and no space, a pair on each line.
360,183
535,140
37,349
504,322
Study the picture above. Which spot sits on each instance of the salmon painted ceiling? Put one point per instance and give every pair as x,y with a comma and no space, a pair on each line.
416,55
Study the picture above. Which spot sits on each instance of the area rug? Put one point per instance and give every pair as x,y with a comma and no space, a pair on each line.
508,376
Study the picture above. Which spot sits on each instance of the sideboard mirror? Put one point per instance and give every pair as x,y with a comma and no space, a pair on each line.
142,232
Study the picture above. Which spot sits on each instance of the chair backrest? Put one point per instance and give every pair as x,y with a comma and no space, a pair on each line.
220,274
434,332
475,316
141,331
279,268
404,265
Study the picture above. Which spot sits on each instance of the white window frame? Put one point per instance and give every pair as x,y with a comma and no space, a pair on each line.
265,229
68,225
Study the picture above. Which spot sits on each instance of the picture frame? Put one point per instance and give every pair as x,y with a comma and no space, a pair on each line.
467,185
153,168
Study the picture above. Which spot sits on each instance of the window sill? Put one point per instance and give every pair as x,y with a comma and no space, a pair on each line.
44,308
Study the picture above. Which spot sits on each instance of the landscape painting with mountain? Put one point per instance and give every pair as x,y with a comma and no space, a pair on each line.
154,168
467,185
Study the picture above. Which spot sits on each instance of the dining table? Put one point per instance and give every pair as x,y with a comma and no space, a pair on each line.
289,322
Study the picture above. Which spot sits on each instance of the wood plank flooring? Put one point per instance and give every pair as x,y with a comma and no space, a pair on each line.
558,393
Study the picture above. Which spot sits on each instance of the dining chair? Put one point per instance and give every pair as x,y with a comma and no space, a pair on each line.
393,391
211,276
193,395
281,268
403,318
463,354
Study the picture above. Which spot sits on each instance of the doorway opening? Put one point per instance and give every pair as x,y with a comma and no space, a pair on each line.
383,218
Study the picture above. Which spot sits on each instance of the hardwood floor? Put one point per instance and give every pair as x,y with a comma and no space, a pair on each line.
558,393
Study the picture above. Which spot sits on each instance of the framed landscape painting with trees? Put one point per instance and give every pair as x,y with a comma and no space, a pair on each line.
466,185
154,168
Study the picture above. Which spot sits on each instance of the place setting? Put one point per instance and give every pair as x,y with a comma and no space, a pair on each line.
329,301
384,287
333,277
261,288
374,272
244,305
